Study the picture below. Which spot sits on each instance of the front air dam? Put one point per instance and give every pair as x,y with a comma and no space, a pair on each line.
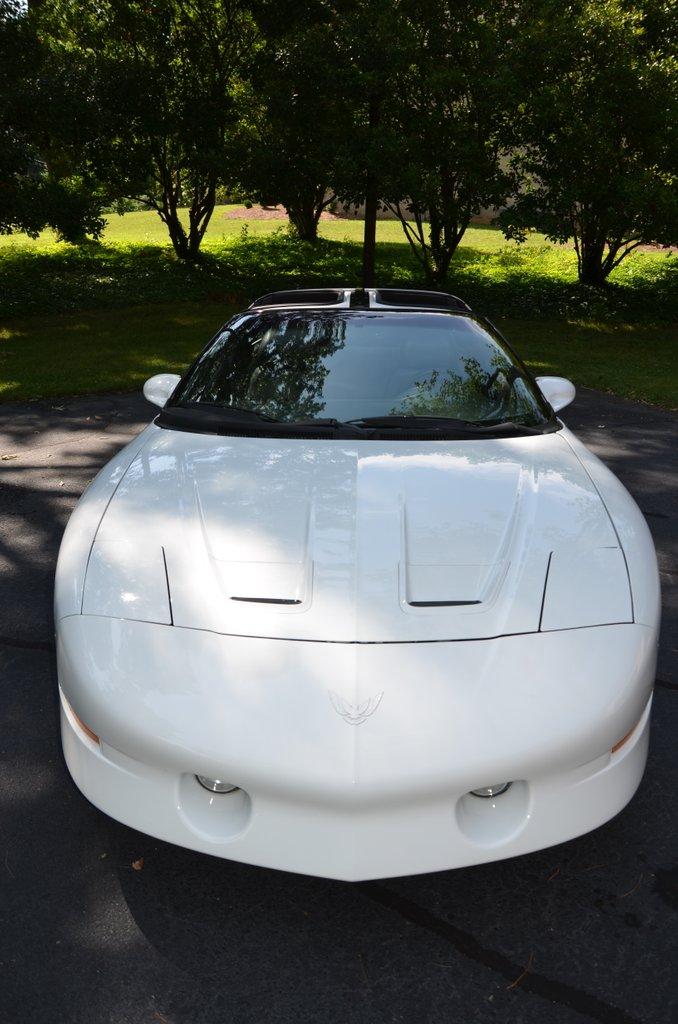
384,794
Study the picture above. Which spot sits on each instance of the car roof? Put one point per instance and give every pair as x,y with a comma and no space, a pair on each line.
408,299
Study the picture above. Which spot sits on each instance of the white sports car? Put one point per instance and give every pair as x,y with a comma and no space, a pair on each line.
356,603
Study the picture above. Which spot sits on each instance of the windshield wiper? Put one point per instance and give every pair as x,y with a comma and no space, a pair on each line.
364,426
407,422
351,426
510,425
445,423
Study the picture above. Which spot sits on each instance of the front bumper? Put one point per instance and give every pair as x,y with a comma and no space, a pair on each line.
355,761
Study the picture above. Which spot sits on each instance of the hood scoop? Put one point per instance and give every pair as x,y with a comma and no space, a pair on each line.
259,554
449,586
276,583
441,604
368,542
453,558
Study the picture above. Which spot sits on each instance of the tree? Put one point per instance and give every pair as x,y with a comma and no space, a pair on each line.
38,188
301,113
168,81
450,106
597,135
20,168
372,44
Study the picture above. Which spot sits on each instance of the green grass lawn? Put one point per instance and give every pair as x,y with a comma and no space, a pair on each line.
105,350
104,316
634,360
101,350
145,228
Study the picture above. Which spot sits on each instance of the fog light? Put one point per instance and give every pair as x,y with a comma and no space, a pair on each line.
489,791
215,785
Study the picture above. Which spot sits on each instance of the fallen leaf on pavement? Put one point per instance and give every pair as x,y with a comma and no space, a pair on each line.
528,967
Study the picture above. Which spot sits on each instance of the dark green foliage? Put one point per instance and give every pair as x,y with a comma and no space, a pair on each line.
300,118
78,319
596,139
42,181
529,282
568,113
453,96
166,88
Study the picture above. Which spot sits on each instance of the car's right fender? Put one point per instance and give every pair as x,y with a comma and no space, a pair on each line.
83,524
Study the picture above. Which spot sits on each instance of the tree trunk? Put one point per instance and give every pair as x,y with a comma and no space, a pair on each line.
370,235
590,261
304,216
371,203
199,215
177,234
304,210
446,231
186,244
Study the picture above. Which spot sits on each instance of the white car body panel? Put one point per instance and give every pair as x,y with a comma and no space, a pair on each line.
356,634
584,587
382,796
77,541
631,529
140,590
366,537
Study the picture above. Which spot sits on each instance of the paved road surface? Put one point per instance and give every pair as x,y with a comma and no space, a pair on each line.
189,939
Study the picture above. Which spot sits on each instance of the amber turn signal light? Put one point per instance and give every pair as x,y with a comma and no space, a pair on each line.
623,740
85,728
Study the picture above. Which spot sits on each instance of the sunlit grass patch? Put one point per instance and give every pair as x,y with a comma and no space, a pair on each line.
144,227
634,360
104,316
507,280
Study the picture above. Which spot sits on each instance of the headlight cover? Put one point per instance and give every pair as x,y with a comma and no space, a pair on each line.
126,581
586,588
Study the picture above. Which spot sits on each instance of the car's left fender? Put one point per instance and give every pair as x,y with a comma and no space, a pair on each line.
632,531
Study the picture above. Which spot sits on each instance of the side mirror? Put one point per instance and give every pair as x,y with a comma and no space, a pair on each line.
558,391
158,389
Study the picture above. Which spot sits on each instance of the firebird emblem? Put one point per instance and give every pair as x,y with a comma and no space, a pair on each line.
352,713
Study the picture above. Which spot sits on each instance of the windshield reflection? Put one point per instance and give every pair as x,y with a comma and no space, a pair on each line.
298,366
501,394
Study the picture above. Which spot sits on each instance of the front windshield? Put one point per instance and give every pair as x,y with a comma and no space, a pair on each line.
298,366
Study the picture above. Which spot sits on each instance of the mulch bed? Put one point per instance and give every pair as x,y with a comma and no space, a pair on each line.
257,212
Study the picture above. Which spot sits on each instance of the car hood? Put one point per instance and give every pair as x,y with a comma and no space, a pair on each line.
357,541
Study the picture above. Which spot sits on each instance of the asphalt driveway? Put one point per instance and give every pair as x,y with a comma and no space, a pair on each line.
583,931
